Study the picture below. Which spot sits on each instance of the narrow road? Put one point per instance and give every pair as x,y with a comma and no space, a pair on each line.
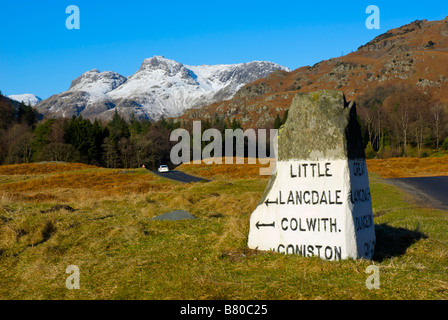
432,191
178,176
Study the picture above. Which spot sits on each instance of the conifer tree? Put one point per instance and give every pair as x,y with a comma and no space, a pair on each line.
277,122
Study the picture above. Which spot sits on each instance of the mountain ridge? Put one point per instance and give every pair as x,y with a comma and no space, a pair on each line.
160,88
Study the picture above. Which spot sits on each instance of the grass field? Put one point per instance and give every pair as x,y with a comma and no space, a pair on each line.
122,254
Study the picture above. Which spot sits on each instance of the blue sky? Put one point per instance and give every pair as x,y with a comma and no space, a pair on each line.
39,55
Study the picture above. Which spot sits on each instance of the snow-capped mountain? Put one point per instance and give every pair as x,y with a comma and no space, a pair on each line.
97,84
27,98
161,87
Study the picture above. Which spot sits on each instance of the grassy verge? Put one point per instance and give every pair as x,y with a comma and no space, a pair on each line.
122,254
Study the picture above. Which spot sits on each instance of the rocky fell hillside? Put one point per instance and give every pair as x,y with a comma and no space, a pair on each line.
414,54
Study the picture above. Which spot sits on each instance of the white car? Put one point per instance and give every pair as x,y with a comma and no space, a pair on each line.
163,168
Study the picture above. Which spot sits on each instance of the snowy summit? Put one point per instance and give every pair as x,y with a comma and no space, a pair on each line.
160,88
27,98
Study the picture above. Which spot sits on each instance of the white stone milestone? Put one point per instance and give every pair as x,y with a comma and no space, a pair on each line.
317,203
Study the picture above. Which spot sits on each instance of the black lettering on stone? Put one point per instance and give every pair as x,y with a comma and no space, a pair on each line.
293,224
300,225
359,195
333,226
325,223
316,170
280,197
288,248
363,222
369,248
313,165
329,198
338,197
359,168
314,197
311,223
318,250
280,245
292,175
304,194
323,199
283,227
291,197
327,165
298,197
304,169
310,251
338,253
300,250
327,252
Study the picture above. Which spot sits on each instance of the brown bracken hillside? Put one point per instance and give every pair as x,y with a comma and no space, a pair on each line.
415,54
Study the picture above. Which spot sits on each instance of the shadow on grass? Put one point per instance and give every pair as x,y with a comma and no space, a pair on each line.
47,232
393,242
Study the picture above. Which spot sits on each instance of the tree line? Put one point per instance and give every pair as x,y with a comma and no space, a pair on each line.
113,144
400,120
395,121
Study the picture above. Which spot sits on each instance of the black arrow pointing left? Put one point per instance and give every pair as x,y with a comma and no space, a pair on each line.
267,202
258,225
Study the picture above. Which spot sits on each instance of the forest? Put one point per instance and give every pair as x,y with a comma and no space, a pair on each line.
396,121
113,144
400,120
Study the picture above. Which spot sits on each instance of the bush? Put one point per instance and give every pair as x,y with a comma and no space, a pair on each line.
370,153
389,152
410,151
426,153
445,144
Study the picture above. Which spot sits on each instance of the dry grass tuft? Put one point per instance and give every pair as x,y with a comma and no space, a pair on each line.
78,185
123,254
409,167
106,180
234,170
38,197
386,168
41,168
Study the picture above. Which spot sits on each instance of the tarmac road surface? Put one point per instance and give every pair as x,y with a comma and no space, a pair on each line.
431,191
178,176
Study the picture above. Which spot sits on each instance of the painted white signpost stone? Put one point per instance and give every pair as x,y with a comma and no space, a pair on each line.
317,202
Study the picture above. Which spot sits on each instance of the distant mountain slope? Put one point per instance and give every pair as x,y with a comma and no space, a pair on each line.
160,88
415,54
26,98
